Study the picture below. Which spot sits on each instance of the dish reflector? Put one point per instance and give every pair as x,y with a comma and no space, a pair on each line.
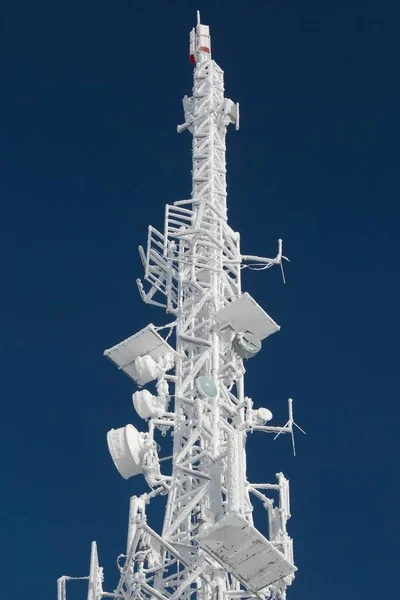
144,369
263,415
126,448
245,553
246,344
145,404
206,387
244,314
138,355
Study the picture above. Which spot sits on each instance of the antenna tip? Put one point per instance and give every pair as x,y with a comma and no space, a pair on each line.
198,17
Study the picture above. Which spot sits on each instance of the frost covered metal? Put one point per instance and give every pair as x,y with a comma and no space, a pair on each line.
245,553
193,367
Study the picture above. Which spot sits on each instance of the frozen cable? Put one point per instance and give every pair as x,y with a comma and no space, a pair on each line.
256,267
168,326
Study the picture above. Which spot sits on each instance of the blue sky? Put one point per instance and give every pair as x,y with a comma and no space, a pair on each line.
91,96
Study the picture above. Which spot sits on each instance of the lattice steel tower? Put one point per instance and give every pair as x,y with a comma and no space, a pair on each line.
209,548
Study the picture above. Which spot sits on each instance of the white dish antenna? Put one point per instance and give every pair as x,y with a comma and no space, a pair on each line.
262,415
126,448
206,387
145,404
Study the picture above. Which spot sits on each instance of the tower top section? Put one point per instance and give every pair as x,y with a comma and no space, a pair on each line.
200,42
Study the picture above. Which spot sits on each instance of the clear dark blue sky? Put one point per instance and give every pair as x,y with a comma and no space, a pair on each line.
91,96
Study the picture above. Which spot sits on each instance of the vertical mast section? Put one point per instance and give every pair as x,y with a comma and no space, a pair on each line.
204,288
209,548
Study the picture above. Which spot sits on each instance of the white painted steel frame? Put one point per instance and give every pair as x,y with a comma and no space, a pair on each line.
194,272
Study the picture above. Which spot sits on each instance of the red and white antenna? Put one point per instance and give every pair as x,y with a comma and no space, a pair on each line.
200,40
193,390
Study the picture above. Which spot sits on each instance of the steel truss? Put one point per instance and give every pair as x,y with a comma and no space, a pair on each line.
209,548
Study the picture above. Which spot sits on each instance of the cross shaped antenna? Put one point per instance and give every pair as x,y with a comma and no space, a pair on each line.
281,265
280,257
289,425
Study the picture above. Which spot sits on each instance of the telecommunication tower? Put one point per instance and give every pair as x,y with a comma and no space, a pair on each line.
209,548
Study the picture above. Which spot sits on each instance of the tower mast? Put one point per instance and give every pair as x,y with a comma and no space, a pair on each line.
209,548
